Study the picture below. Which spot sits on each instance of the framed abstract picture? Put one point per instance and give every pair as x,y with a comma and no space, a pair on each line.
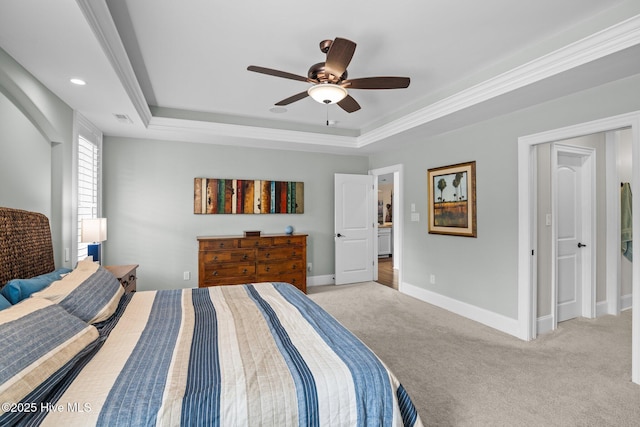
452,200
247,196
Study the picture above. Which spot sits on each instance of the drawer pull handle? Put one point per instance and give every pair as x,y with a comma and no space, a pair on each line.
294,267
132,277
245,256
268,255
288,240
244,271
267,269
215,258
215,273
222,245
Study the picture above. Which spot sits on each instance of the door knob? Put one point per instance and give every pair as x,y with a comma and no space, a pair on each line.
580,245
340,235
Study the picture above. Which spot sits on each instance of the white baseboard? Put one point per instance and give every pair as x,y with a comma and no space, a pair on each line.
327,279
481,315
544,324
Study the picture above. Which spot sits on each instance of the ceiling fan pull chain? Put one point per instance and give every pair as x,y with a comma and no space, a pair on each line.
327,114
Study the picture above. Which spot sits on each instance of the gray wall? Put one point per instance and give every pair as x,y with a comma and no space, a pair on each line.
36,130
25,163
148,201
482,271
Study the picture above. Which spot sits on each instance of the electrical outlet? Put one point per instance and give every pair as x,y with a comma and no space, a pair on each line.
309,267
432,279
186,275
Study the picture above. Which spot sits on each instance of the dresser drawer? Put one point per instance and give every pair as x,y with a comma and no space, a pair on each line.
296,279
288,241
126,275
222,273
276,253
256,242
213,244
280,267
233,255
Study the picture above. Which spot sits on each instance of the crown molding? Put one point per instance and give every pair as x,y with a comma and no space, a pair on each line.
598,45
99,19
201,131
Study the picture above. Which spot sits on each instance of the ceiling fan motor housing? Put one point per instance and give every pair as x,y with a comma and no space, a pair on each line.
316,72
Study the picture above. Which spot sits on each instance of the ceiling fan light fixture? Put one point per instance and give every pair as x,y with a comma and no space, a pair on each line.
327,93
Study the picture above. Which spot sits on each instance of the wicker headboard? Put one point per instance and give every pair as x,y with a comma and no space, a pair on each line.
26,249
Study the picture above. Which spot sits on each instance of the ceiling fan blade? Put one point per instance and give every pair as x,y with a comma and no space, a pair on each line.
278,73
349,104
377,83
294,98
339,56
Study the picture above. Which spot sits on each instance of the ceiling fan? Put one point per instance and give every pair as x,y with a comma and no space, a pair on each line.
330,78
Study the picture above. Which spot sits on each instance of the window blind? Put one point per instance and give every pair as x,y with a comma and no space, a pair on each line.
88,173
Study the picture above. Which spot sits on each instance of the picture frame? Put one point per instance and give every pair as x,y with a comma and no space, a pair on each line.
247,196
452,199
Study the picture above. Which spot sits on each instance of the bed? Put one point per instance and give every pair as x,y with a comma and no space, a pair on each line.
79,351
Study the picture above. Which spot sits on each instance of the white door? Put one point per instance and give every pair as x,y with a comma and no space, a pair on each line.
354,228
569,261
573,236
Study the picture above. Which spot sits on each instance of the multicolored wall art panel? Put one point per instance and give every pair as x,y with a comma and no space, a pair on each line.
244,196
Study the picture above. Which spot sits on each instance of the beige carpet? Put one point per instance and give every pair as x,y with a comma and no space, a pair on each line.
461,373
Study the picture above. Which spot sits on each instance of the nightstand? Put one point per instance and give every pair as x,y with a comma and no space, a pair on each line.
126,275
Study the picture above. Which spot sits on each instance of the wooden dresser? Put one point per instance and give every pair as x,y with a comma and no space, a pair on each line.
232,260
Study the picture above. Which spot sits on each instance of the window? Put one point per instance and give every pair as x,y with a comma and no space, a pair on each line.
88,178
87,186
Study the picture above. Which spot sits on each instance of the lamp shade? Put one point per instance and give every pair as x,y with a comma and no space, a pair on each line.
94,230
327,93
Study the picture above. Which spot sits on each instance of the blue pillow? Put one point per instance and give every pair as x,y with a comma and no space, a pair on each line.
4,303
18,289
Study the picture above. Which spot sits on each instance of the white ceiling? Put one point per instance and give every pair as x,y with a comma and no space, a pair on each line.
178,69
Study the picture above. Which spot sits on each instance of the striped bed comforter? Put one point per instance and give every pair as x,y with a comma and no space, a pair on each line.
246,355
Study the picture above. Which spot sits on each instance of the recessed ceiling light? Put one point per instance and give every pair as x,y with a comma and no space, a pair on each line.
278,110
78,82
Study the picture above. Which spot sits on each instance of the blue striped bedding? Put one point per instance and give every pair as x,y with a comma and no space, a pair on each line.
257,354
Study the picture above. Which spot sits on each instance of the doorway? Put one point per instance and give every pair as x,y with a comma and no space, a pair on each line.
578,268
528,256
389,222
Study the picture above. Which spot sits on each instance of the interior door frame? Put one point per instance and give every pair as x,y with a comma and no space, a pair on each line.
527,295
398,214
588,228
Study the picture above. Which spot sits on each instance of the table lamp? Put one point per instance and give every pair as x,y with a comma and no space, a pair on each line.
94,231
